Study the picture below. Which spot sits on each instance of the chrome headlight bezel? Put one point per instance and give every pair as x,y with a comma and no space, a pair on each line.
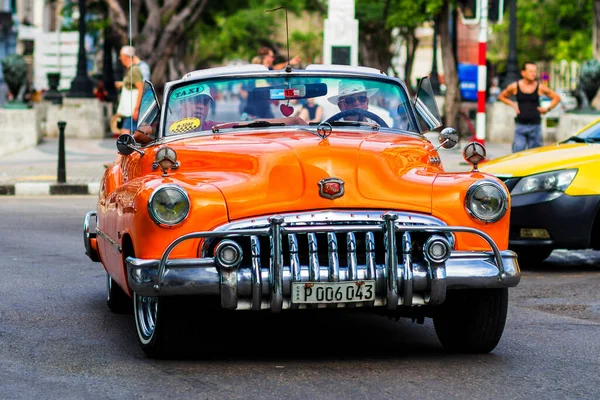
180,218
502,200
568,176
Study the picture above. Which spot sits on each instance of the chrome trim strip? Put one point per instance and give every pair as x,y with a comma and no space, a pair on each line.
370,247
391,260
334,265
313,258
351,255
110,240
330,216
294,261
256,273
276,265
407,277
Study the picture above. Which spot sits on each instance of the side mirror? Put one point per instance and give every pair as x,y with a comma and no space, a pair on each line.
448,138
126,145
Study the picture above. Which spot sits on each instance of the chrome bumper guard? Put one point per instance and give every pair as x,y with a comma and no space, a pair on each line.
398,282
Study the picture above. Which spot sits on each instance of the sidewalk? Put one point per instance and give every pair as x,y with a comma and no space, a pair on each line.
33,172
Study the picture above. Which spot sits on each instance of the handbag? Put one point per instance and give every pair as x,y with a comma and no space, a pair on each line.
127,102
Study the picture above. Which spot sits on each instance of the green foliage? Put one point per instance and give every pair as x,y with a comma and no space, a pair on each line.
547,30
236,29
310,44
409,15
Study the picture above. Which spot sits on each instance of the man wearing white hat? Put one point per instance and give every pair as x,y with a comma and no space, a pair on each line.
352,95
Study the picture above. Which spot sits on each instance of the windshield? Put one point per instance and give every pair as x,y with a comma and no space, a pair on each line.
592,132
293,100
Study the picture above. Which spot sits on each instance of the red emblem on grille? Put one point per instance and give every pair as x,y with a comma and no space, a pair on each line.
331,188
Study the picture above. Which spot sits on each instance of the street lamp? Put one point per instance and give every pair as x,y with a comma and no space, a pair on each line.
82,85
512,69
435,78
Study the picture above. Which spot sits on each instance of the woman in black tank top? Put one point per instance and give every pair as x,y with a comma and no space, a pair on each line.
528,106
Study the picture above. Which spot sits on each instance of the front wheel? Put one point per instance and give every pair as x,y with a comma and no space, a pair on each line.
472,321
156,324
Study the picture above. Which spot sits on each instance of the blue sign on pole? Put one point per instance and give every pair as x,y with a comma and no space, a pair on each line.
467,77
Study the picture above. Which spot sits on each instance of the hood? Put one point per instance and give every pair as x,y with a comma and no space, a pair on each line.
542,159
277,172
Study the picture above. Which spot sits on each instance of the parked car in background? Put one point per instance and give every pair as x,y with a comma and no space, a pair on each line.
249,206
555,193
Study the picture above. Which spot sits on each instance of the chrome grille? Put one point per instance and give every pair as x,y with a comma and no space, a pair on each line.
265,281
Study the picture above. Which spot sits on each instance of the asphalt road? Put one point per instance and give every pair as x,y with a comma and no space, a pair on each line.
59,340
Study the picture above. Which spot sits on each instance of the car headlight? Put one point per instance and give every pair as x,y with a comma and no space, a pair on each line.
486,201
169,205
556,180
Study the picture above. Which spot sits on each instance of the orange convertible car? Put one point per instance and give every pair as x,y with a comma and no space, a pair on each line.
225,193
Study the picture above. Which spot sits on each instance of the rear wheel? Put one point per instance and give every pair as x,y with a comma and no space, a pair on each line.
116,299
472,321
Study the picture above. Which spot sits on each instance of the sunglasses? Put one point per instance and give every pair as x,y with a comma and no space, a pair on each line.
351,100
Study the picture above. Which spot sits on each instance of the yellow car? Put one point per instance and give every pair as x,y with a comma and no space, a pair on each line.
555,193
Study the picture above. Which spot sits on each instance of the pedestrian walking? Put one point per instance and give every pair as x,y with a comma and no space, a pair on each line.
132,88
143,66
528,122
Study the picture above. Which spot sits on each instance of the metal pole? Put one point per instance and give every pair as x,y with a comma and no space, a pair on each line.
61,176
82,85
482,73
435,78
512,69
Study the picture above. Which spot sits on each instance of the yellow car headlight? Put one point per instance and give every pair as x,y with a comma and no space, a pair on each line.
548,181
486,201
169,205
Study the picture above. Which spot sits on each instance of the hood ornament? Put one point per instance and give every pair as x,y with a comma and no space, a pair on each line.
331,188
324,130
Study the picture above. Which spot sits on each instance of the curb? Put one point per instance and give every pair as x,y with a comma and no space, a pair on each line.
49,189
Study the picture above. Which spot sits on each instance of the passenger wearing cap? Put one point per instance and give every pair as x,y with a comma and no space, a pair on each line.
198,106
191,105
352,95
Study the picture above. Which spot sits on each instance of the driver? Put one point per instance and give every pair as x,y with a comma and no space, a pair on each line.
352,95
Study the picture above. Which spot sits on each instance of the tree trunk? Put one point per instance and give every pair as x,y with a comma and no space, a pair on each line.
596,30
412,42
375,48
452,101
159,38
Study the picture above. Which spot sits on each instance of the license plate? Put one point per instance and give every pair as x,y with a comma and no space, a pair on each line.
332,292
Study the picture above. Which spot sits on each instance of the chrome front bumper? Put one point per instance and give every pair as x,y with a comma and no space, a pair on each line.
400,281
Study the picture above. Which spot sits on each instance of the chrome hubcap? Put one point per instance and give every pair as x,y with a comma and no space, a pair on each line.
145,316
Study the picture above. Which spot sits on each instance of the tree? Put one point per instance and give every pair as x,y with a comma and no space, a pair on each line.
176,36
566,38
596,38
453,99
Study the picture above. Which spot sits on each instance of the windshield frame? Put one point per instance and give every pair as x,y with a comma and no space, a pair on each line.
223,73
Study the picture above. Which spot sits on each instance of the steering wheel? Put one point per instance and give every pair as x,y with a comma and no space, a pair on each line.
361,113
